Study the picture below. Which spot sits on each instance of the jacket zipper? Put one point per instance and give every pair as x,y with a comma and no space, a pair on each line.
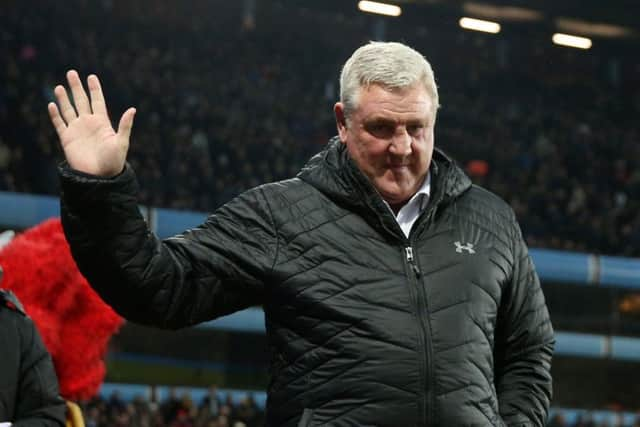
424,221
425,335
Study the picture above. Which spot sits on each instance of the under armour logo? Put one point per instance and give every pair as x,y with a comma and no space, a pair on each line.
468,247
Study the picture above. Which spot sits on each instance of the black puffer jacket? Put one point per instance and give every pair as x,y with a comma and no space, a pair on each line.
28,382
367,327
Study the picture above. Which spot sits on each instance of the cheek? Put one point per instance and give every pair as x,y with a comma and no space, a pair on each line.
424,147
372,149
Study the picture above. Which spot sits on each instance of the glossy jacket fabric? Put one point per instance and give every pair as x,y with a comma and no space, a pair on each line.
28,383
365,327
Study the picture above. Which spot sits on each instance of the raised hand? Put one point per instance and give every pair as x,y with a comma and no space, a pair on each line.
89,142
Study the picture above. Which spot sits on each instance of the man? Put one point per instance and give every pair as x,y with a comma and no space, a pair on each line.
395,292
28,383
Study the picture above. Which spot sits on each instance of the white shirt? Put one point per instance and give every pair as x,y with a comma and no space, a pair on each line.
409,213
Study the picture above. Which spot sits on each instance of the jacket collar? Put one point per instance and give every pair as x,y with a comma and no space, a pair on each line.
334,173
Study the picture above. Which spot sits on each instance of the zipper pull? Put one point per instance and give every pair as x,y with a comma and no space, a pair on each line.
412,262
409,251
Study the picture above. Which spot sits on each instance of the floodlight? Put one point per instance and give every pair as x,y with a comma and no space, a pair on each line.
571,41
379,8
479,25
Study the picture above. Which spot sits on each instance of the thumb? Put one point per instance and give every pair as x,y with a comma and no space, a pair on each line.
125,125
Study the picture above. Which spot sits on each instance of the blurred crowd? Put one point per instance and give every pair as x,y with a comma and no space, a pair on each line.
229,99
217,409
587,420
177,410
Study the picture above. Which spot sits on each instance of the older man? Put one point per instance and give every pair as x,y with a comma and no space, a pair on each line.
395,292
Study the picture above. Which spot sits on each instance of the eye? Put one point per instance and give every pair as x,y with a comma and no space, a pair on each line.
380,129
415,129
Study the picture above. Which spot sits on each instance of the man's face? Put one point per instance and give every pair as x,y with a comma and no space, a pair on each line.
390,137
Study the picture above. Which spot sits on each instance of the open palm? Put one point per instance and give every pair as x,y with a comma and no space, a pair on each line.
88,140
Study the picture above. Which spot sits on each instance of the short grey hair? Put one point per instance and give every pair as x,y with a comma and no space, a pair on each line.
389,64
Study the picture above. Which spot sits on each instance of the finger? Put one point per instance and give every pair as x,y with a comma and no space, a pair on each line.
98,104
66,109
125,125
79,95
56,119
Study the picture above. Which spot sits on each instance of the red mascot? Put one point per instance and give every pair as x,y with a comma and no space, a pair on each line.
74,322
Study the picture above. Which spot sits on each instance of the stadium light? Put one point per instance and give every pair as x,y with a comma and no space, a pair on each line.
571,41
480,25
501,13
379,8
589,28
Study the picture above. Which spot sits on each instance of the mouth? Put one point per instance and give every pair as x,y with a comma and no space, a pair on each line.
398,167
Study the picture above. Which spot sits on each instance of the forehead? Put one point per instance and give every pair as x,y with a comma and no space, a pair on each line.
379,102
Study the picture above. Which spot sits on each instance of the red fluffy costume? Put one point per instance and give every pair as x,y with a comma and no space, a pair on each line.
74,322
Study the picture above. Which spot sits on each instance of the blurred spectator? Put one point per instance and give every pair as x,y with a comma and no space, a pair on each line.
170,407
211,403
557,420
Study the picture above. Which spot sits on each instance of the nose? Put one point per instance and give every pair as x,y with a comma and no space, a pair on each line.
401,143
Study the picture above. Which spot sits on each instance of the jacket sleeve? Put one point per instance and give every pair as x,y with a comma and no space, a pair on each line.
524,344
38,403
210,271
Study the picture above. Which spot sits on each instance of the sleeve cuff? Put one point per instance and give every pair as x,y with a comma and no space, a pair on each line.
67,172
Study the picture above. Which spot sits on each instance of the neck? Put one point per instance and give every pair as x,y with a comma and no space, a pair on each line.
396,207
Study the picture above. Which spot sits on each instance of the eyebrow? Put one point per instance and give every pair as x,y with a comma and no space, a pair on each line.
385,120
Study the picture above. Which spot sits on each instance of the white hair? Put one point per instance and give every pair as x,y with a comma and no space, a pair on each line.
389,64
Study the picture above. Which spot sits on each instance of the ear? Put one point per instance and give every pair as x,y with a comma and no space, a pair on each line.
341,121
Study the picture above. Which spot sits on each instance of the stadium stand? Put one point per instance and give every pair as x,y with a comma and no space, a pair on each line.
223,107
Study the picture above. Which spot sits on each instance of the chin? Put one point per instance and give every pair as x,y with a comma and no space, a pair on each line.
392,192
395,198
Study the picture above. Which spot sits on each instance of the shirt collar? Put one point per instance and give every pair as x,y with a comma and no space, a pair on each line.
423,193
421,196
